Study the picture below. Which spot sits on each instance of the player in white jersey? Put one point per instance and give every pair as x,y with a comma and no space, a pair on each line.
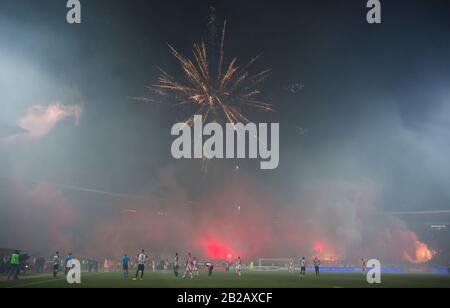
188,266
291,266
238,266
141,258
56,261
153,266
194,266
106,266
303,267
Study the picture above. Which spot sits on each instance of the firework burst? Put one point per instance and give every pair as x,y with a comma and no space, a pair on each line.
217,90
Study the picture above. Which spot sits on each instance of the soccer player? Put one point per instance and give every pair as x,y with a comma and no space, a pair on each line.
188,266
316,266
141,258
166,265
176,264
14,264
210,267
2,264
125,262
363,265
66,264
291,266
238,266
303,267
194,266
106,266
56,261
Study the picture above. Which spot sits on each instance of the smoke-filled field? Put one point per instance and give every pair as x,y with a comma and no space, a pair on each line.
225,131
230,280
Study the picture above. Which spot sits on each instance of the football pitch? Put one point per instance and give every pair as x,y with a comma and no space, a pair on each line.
230,280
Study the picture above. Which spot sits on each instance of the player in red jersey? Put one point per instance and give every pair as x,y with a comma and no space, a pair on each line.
195,266
291,266
188,266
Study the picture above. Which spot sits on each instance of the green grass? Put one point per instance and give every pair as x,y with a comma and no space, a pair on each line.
230,280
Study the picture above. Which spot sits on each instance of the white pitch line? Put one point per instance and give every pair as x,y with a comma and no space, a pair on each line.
34,283
44,282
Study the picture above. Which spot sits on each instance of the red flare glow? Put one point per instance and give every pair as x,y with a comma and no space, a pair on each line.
323,252
217,249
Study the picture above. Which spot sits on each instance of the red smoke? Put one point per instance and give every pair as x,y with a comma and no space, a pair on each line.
242,220
333,221
323,252
216,249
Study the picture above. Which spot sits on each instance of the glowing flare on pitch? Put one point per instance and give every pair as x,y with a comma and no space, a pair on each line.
423,254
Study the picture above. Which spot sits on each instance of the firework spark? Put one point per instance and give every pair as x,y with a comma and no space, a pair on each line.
294,88
216,90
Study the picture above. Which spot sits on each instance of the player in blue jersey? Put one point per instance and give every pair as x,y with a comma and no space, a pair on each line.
125,262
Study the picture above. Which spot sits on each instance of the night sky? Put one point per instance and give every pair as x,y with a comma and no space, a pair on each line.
370,125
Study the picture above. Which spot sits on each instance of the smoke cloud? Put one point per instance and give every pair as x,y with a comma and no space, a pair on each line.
39,120
339,221
38,218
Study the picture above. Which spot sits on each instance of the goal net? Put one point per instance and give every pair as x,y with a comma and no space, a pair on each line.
274,264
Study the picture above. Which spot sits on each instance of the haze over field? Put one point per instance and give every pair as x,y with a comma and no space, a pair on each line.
364,115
